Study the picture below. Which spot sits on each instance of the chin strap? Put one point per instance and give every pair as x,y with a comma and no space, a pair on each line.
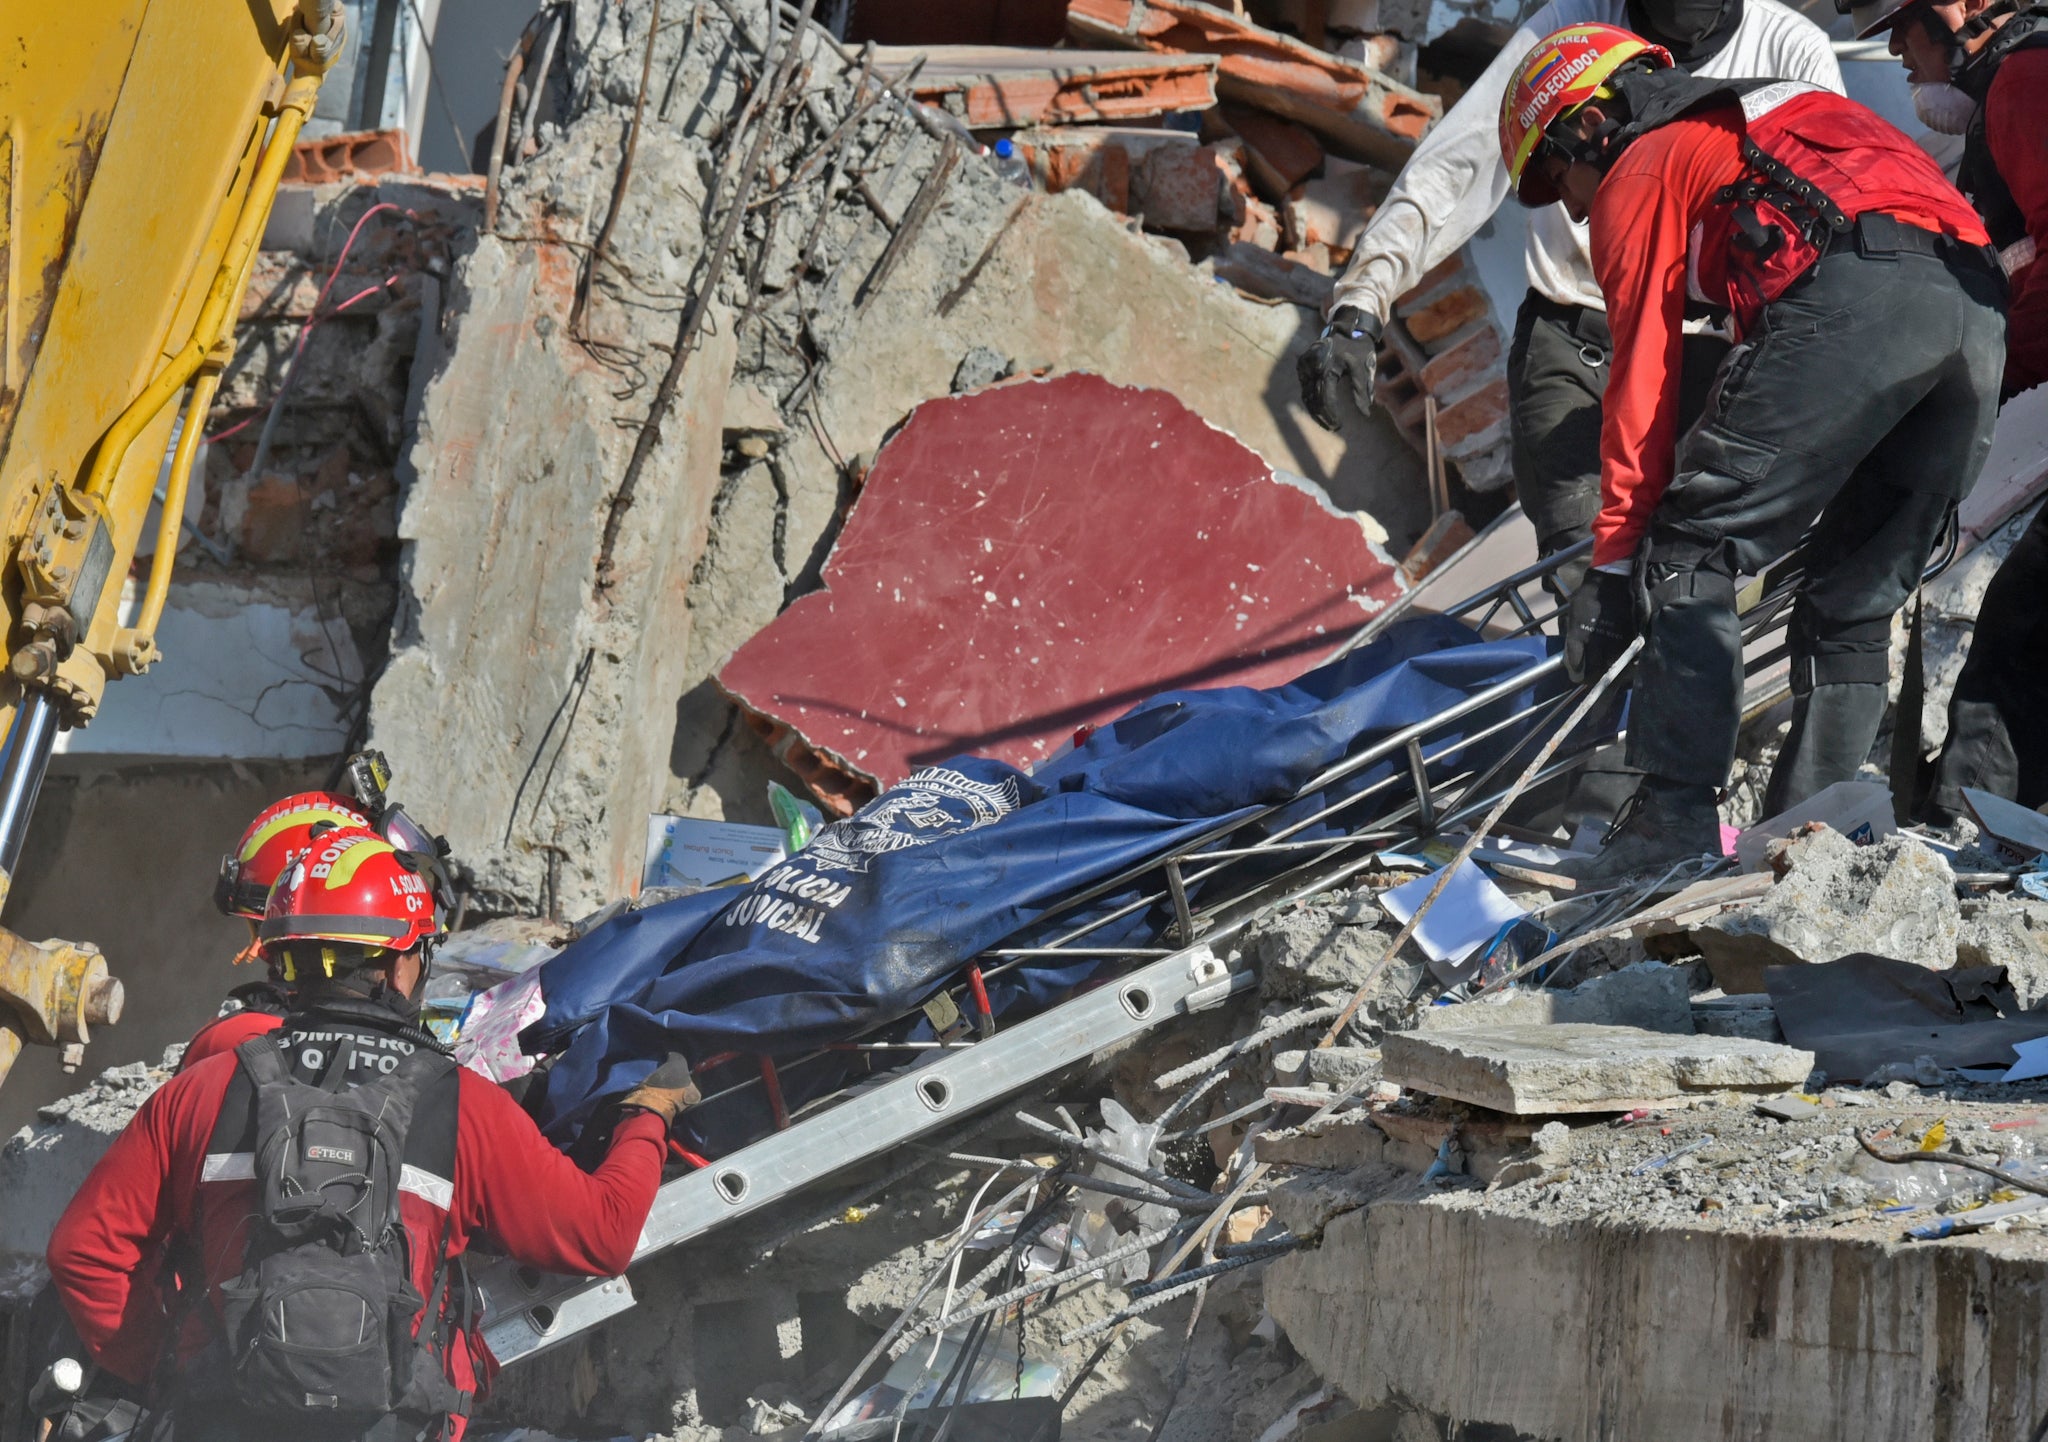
1982,22
1583,150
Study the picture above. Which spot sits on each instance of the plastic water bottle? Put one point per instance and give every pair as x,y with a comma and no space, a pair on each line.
1010,165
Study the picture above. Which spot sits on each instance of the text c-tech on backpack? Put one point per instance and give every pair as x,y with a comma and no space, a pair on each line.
319,1323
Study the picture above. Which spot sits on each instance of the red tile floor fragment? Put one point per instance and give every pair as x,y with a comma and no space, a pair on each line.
1040,555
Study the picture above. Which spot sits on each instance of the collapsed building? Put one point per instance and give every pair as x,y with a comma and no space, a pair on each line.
567,445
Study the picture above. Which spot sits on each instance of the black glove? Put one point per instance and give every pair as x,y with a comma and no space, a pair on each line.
667,1091
1600,623
1341,362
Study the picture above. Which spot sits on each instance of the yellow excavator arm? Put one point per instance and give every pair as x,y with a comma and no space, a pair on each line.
141,142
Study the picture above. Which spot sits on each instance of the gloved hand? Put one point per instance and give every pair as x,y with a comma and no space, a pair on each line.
1341,362
1600,623
667,1091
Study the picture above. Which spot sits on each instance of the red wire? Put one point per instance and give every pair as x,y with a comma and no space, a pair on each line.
315,317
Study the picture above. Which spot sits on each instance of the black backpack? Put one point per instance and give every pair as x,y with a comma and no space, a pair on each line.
319,1323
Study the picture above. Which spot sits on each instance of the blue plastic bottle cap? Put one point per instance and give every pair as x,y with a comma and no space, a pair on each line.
1004,148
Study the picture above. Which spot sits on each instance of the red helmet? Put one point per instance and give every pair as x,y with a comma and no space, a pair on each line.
280,835
1564,71
354,897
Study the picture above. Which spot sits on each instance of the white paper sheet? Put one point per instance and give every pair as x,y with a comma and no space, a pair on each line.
1464,918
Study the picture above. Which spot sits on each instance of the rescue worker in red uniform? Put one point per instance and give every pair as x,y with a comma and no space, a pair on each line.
1853,413
1993,56
281,833
343,1158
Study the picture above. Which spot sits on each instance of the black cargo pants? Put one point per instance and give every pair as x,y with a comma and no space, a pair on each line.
1860,408
1557,374
1998,716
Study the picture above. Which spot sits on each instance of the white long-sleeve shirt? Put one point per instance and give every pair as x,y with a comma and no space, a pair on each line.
1456,179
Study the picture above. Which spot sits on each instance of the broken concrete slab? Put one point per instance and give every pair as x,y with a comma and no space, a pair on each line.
1035,278
1791,1107
1894,898
1001,87
2010,933
1358,112
1530,1070
1343,1142
1057,281
1648,996
1256,271
1306,1202
1749,1015
1346,1068
999,583
1523,1325
509,651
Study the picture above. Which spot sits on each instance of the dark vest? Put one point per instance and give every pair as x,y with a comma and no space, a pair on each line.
311,1041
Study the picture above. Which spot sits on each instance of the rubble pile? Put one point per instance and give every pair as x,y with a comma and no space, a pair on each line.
829,257
1185,1235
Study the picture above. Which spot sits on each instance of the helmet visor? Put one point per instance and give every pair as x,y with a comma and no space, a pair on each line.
405,833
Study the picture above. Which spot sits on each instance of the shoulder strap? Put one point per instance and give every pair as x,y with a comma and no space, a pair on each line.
261,1059
2027,29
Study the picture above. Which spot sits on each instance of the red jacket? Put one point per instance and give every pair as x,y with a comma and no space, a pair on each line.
2016,129
224,1033
1661,233
158,1192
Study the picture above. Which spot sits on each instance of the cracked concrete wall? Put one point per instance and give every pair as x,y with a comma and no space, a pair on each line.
530,716
1620,1333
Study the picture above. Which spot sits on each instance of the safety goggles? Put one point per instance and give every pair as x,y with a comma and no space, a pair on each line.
423,849
234,896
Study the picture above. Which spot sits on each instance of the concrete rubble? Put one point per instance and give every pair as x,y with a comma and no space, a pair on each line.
625,483
730,523
1548,1067
1896,898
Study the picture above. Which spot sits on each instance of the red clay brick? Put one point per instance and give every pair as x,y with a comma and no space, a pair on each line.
1179,190
340,157
1471,417
1282,154
1450,312
1462,362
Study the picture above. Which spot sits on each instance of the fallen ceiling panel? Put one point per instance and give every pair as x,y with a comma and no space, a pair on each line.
1039,556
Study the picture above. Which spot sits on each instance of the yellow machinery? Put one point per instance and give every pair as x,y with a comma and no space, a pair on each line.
141,143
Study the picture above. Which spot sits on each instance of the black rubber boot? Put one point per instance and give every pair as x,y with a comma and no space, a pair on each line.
1833,729
1664,823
